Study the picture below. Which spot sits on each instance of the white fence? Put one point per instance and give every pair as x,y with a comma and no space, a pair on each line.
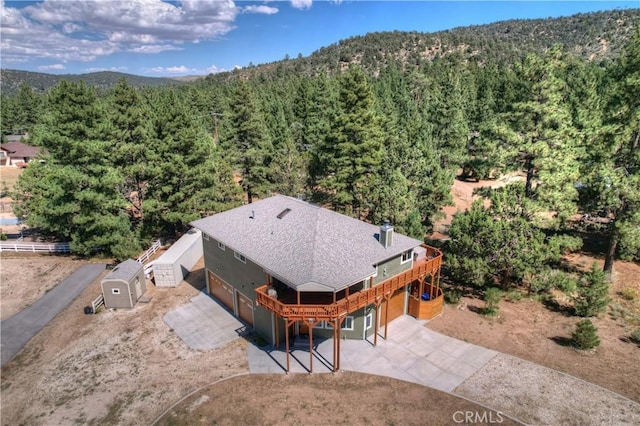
35,247
96,303
147,254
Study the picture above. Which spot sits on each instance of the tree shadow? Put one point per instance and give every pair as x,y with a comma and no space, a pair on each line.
476,309
553,305
631,340
562,341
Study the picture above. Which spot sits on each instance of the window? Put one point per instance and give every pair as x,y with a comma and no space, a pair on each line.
406,256
205,236
319,325
240,257
368,321
221,246
115,291
348,323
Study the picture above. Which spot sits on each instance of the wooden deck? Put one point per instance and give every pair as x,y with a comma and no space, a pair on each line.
321,306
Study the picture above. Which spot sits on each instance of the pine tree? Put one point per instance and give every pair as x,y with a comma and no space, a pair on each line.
541,135
585,336
352,153
612,175
499,244
592,293
74,193
253,147
188,177
131,135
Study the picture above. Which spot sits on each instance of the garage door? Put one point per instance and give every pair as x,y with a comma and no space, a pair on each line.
396,306
220,290
245,309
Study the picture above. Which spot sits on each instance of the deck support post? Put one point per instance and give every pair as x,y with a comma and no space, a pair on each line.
311,348
376,322
286,339
386,316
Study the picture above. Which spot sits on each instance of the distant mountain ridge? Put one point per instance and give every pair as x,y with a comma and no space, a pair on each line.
592,36
10,80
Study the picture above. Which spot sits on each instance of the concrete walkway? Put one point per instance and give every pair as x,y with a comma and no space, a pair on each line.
520,389
17,330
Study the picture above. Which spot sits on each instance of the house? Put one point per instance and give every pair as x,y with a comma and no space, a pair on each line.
17,153
289,268
124,285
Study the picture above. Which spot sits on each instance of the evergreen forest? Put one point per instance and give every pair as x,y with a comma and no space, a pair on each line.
124,165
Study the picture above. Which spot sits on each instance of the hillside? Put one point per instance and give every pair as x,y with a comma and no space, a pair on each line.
10,80
592,36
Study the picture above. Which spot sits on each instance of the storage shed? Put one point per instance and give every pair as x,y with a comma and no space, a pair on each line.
124,285
171,268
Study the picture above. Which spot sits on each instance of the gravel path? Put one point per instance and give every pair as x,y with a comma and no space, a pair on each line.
541,396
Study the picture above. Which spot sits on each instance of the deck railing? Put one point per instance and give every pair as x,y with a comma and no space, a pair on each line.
355,301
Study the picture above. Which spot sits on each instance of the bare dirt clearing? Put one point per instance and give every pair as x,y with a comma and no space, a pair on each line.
343,398
127,367
23,280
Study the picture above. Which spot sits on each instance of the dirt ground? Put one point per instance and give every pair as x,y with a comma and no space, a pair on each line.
128,367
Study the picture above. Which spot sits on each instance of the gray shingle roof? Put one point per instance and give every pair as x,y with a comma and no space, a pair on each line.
310,247
125,271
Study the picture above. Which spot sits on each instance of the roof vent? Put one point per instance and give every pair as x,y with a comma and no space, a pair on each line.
253,214
386,234
283,213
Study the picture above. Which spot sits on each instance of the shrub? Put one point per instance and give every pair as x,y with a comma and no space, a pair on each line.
552,278
593,293
3,236
585,336
492,297
629,293
635,336
452,296
513,295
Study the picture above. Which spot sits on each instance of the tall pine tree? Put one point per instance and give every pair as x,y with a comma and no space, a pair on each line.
352,153
74,193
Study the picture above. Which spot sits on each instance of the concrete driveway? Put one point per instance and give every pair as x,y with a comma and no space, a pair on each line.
527,392
204,323
17,330
412,353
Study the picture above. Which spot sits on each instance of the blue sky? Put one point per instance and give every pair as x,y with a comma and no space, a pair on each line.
195,37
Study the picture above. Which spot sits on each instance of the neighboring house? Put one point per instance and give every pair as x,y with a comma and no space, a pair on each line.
289,268
17,154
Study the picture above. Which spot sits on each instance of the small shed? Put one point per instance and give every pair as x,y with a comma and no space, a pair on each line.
124,285
171,268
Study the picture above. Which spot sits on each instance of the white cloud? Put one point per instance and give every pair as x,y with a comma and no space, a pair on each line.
155,48
53,67
301,4
83,30
98,69
265,10
183,70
